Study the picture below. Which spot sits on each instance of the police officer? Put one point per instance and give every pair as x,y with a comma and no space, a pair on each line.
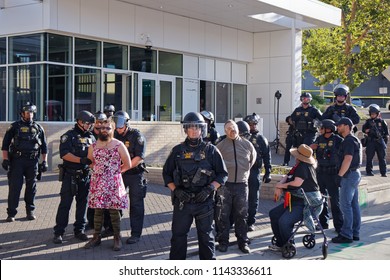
340,108
76,176
100,118
304,118
193,171
348,178
109,110
263,156
23,143
290,140
326,148
377,136
212,134
133,178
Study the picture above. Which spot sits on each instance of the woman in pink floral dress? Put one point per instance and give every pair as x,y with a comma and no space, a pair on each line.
109,159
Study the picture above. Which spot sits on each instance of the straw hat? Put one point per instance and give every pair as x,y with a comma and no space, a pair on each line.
303,153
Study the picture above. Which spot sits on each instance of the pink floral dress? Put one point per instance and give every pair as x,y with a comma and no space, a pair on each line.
107,190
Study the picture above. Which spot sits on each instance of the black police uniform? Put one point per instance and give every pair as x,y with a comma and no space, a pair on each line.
24,141
212,135
75,182
254,181
192,169
327,158
303,119
335,112
290,136
134,179
376,142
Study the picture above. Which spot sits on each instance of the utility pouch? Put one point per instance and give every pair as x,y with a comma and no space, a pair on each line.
61,172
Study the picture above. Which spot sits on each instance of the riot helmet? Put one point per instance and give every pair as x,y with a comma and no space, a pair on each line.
374,109
194,119
252,119
207,115
341,89
121,119
85,117
243,128
305,95
28,107
328,124
109,110
100,116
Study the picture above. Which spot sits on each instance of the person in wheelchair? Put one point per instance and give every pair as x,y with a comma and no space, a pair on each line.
295,207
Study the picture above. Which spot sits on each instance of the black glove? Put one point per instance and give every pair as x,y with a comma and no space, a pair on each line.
85,160
267,178
43,166
5,164
204,193
182,195
337,180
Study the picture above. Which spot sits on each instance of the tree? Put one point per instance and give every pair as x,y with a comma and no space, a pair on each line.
354,52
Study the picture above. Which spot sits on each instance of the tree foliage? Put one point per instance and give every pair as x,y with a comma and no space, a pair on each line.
354,52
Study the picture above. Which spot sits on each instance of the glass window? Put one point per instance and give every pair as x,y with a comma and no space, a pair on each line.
3,75
58,103
223,103
87,52
115,56
239,101
170,63
112,92
60,48
28,48
87,90
179,100
26,83
207,96
143,60
3,50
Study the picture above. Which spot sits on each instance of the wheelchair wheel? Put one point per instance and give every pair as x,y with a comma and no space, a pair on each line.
309,241
289,251
273,240
325,250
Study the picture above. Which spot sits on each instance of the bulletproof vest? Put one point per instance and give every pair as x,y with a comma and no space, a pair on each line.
129,139
342,111
193,170
303,120
326,153
80,145
377,130
26,138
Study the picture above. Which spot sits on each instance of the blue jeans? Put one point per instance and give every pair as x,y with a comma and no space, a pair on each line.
282,220
349,204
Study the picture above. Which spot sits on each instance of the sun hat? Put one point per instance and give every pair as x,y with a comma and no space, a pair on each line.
303,153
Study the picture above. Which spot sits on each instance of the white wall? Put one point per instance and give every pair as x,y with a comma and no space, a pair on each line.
273,68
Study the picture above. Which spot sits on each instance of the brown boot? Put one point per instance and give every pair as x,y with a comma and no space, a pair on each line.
117,242
95,241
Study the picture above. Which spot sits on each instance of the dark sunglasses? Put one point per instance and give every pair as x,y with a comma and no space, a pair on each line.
104,128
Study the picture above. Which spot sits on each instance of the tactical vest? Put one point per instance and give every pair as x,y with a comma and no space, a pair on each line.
26,138
259,159
304,121
326,152
193,170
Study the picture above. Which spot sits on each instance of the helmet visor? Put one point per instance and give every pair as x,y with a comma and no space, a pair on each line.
120,121
196,126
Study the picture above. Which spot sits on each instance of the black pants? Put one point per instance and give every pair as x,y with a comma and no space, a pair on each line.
22,167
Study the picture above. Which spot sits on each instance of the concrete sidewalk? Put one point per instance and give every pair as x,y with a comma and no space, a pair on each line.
26,240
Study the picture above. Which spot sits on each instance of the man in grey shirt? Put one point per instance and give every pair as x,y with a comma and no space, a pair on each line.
239,156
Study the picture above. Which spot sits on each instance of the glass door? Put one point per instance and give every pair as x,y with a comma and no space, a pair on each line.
117,90
156,95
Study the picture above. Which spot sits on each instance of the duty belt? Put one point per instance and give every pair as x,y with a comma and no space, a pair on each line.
31,155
